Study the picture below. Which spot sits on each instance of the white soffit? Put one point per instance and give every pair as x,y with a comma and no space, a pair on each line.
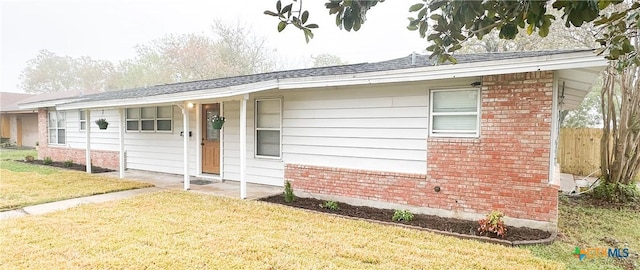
575,84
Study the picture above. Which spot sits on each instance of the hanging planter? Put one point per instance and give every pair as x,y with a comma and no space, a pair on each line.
102,123
217,121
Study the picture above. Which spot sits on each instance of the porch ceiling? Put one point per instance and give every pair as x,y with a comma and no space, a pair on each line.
575,84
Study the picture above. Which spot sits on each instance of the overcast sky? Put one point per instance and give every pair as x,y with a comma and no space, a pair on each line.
109,30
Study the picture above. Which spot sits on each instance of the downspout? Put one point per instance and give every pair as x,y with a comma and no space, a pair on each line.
87,152
554,130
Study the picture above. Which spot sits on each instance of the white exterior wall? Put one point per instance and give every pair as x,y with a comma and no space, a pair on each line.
379,128
151,151
259,170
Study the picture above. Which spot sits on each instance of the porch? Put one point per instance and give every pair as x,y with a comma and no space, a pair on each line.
200,185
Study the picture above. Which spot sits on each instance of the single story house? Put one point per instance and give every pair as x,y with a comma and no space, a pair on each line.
452,140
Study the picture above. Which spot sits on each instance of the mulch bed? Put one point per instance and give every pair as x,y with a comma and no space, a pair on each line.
425,221
74,166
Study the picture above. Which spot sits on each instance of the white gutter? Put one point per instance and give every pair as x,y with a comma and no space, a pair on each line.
518,65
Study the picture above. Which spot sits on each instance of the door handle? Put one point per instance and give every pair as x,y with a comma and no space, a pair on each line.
201,143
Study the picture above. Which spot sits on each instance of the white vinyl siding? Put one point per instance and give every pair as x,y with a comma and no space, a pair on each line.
378,128
57,127
455,113
268,171
268,127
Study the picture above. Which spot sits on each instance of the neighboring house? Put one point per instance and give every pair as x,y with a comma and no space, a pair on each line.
451,140
17,127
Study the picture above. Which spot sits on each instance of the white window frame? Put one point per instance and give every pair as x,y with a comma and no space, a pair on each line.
155,119
56,129
455,133
256,128
82,113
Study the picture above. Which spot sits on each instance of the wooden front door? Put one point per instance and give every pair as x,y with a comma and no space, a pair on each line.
210,139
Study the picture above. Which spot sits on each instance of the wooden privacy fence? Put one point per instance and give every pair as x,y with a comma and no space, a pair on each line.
579,150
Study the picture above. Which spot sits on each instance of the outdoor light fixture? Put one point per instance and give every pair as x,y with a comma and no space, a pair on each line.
190,105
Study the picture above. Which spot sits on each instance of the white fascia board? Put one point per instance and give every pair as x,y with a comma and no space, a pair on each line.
216,93
45,103
506,66
452,71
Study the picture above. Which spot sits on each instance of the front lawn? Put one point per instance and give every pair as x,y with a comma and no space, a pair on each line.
177,229
23,184
586,226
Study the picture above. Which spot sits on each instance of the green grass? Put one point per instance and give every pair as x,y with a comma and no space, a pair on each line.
585,226
177,229
23,184
8,157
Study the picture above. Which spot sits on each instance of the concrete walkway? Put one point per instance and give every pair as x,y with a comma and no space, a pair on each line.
161,181
40,209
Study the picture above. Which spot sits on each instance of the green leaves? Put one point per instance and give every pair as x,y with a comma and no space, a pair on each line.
287,15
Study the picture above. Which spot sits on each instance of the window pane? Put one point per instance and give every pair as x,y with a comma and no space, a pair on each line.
164,125
148,125
455,101
52,119
268,142
454,122
132,125
83,115
165,112
268,113
83,125
61,120
148,113
53,139
133,113
61,136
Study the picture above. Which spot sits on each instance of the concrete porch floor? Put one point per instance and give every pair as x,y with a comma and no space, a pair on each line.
214,187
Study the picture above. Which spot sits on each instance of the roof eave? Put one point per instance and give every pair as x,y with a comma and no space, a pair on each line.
572,60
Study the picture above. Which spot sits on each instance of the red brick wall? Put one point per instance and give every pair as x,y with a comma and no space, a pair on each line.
506,169
101,158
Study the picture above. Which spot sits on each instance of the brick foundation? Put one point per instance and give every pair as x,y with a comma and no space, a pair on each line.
101,158
506,169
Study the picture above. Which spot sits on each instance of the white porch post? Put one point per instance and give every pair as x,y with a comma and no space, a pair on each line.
243,146
123,125
185,140
87,153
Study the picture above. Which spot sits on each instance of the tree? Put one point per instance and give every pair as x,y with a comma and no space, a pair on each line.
620,143
446,24
325,60
48,72
588,114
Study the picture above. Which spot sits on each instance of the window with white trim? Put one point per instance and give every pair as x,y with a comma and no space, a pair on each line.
57,127
150,119
83,120
268,127
455,113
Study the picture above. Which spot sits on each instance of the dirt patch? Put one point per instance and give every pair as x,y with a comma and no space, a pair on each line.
74,166
425,221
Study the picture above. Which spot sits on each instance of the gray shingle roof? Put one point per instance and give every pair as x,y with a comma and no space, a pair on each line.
394,64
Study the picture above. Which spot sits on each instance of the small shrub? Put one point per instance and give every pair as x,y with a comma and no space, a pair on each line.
402,215
68,163
288,192
331,205
29,159
493,223
616,192
47,161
